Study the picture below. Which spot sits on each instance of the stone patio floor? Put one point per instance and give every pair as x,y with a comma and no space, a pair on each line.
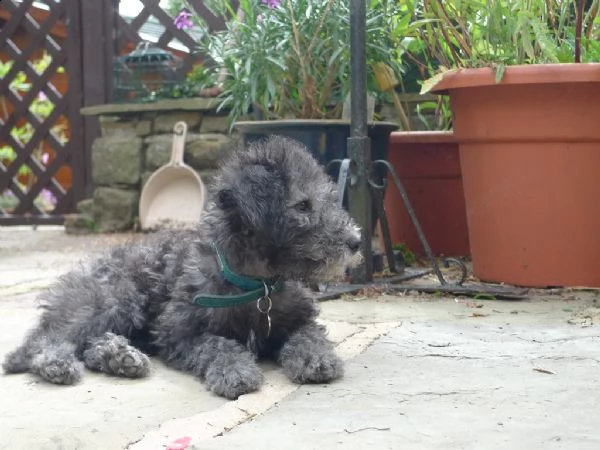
423,372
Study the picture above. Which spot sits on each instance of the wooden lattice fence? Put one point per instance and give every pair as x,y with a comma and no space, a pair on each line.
39,113
57,56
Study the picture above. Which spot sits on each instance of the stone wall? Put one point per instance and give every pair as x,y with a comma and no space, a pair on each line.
136,140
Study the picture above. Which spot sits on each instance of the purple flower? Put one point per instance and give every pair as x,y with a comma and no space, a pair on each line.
47,197
42,97
272,3
45,158
183,19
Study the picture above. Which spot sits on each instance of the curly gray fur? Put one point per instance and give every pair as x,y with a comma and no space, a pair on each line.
273,213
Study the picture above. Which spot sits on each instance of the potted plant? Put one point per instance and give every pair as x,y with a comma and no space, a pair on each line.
525,99
426,157
428,164
287,61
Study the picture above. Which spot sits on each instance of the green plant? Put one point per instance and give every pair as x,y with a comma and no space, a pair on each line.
498,33
435,115
419,64
290,58
409,257
198,79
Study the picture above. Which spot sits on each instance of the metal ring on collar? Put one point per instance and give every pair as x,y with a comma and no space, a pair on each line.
267,298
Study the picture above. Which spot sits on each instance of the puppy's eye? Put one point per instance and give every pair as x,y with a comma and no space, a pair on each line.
303,206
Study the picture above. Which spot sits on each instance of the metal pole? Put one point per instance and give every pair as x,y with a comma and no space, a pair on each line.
359,144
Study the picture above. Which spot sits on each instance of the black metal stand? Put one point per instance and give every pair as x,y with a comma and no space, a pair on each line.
359,144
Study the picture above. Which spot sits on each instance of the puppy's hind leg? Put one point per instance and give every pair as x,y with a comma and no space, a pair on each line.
58,364
18,361
112,354
78,309
52,359
308,356
44,355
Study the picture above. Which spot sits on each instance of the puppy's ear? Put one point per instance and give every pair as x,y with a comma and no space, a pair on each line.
253,197
226,201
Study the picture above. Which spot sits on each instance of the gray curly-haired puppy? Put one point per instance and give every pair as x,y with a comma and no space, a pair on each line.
200,299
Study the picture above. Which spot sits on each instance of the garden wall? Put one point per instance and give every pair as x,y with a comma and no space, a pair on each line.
136,140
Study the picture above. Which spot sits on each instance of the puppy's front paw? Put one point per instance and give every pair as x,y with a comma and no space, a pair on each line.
230,379
112,354
129,362
313,367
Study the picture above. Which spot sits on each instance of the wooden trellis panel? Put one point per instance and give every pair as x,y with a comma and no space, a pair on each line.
38,145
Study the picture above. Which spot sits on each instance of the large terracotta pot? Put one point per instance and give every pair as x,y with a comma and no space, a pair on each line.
530,156
428,165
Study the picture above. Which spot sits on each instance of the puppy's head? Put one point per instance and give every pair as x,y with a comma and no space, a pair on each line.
278,206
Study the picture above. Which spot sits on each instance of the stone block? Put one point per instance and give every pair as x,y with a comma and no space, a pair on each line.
205,151
115,209
158,151
124,127
143,127
202,151
116,160
79,224
165,122
86,206
117,126
215,124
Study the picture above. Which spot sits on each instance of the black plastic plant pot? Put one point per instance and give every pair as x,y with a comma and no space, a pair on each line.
326,139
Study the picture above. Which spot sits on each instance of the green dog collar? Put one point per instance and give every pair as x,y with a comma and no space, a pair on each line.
255,289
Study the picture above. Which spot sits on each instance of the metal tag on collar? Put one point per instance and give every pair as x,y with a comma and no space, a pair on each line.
266,309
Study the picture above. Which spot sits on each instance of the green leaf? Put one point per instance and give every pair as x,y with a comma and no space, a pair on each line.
526,40
430,83
248,66
547,46
277,62
500,72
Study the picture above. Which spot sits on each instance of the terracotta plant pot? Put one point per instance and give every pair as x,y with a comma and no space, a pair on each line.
530,156
428,165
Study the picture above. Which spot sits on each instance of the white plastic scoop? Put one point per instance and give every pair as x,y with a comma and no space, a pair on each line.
174,195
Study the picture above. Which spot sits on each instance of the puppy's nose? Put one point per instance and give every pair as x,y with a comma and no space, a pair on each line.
353,244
